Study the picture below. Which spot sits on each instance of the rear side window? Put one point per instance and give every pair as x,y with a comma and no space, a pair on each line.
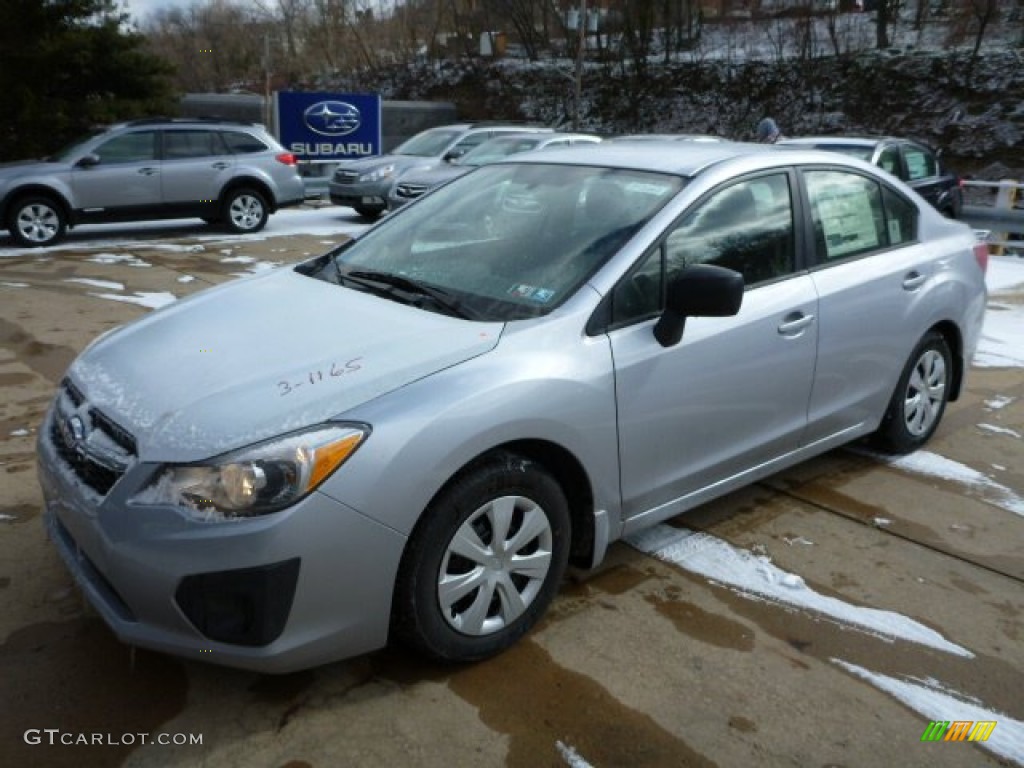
242,143
181,145
920,162
854,215
900,218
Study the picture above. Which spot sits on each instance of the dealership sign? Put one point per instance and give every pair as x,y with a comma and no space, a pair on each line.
329,126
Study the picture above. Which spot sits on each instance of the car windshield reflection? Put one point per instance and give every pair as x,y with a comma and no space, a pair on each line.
513,241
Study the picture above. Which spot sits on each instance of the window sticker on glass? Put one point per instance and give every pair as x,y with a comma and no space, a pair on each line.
895,236
846,218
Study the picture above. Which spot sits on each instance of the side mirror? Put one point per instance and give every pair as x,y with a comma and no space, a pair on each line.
702,290
88,161
453,154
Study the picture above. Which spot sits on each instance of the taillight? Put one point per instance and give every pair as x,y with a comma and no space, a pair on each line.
287,158
981,256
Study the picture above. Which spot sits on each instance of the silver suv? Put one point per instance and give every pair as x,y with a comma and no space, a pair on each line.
364,184
224,172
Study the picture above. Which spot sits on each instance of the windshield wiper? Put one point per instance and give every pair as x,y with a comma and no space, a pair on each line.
439,296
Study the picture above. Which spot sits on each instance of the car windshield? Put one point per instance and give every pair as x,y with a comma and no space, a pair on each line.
427,144
497,149
72,150
509,240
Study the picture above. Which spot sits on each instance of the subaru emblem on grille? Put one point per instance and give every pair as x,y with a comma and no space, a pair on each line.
72,429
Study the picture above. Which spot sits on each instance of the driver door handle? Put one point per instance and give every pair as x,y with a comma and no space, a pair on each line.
794,323
148,171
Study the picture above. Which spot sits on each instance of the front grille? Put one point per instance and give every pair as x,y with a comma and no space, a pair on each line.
346,177
101,451
410,190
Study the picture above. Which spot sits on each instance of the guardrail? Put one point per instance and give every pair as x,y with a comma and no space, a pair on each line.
1002,218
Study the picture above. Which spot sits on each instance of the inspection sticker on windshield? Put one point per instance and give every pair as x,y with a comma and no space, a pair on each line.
531,292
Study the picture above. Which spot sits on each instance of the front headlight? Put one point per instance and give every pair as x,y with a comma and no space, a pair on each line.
384,172
256,480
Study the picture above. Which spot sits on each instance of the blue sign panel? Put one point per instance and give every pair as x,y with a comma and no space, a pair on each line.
329,126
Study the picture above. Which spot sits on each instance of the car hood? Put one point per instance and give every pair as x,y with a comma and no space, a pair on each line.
399,161
26,167
436,176
260,357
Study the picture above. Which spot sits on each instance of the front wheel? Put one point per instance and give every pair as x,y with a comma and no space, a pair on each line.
370,214
920,398
244,211
36,222
484,562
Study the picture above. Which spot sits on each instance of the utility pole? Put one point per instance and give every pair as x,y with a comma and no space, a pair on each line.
580,45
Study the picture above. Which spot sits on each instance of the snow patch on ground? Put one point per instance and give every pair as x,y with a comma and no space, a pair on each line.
999,430
572,758
19,433
186,279
934,701
16,285
1002,339
750,574
998,402
153,300
119,258
934,465
96,283
1004,274
236,259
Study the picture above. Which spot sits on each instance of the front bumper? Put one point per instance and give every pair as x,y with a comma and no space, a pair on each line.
371,195
277,593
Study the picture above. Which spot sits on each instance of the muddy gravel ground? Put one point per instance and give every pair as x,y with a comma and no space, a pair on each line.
821,618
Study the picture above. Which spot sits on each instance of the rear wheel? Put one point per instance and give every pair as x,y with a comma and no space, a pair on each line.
244,210
920,398
484,562
36,221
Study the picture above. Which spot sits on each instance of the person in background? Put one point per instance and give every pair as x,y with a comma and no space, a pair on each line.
768,131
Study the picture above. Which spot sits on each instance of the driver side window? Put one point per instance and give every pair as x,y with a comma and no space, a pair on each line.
746,227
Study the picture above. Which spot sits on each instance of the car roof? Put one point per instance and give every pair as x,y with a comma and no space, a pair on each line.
696,137
682,158
840,141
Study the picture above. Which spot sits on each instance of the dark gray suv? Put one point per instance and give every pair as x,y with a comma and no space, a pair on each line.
224,172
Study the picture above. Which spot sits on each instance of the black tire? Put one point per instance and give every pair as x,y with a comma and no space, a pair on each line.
244,210
917,405
37,221
370,214
452,608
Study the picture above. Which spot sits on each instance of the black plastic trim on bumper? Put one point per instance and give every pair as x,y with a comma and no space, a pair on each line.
248,606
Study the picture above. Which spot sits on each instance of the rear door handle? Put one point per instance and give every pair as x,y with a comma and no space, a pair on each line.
795,323
913,280
148,171
220,166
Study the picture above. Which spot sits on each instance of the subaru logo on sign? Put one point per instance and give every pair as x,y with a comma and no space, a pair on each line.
332,118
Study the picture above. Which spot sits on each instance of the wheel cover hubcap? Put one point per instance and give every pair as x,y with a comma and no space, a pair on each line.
495,565
926,392
246,211
38,223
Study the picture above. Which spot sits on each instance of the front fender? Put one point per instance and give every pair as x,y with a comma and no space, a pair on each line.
424,433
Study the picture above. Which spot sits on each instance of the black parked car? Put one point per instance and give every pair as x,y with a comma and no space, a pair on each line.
916,164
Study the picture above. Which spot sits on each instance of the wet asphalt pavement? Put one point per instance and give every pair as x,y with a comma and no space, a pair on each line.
657,659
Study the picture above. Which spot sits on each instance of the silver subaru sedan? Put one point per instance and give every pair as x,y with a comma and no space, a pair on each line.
410,437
